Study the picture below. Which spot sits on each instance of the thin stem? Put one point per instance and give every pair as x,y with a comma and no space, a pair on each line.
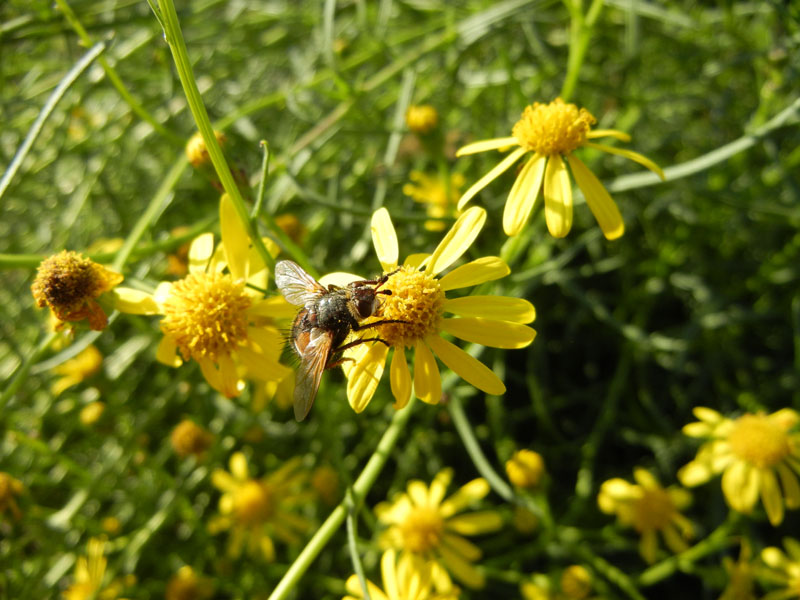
174,36
358,568
24,369
114,78
48,108
362,485
262,185
580,34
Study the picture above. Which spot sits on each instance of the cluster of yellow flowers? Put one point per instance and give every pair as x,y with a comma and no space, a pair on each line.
220,315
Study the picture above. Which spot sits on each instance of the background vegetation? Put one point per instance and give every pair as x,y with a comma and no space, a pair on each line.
697,304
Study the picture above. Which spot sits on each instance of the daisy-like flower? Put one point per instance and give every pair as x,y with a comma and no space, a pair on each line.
75,370
10,488
90,572
216,315
757,454
439,195
258,510
650,509
784,569
422,522
419,300
552,132
410,578
70,284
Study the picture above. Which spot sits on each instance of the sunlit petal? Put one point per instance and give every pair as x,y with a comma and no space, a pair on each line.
400,378
167,352
523,195
481,270
234,238
599,200
200,252
615,133
629,154
557,197
384,238
427,382
134,302
484,145
498,170
470,369
502,308
364,376
496,334
458,239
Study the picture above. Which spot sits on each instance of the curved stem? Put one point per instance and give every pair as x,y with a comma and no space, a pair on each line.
362,485
115,79
580,34
177,45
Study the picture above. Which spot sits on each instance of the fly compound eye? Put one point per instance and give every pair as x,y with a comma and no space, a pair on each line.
367,306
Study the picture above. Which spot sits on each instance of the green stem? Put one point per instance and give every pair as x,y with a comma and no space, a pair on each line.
174,36
36,128
608,571
580,34
358,568
22,373
360,488
115,80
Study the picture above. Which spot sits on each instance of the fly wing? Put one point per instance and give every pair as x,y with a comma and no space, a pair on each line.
297,286
312,363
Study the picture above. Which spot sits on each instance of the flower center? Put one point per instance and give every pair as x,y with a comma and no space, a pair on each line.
253,503
205,315
759,441
653,511
65,281
417,300
422,530
554,128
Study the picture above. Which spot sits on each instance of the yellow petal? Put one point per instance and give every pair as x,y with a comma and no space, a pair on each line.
790,485
557,197
389,574
694,473
522,197
467,494
467,367
134,302
200,252
364,376
261,367
648,546
771,497
461,569
481,270
461,546
400,379
498,170
234,238
630,154
484,145
211,374
418,492
229,376
458,239
384,238
273,307
475,523
167,352
427,382
439,486
598,199
339,278
740,483
416,260
615,133
503,308
496,334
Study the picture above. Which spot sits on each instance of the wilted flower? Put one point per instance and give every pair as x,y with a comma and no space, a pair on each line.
552,132
757,454
70,284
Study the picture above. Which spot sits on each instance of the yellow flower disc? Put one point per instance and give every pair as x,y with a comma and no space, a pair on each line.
252,503
554,128
205,315
418,300
422,530
759,440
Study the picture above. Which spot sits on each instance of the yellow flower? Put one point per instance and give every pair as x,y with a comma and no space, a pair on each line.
437,193
410,578
256,510
422,522
91,413
196,150
741,575
757,454
77,369
421,118
217,318
189,438
783,569
576,582
90,570
650,509
552,132
9,489
70,284
525,469
188,585
537,589
418,298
